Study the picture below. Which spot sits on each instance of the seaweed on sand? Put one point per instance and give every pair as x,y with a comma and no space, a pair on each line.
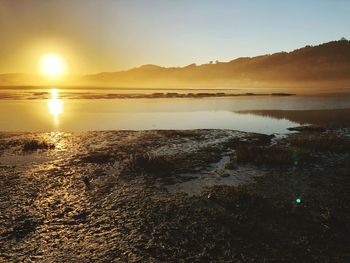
34,145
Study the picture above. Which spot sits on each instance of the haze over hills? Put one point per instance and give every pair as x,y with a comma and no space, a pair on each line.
325,65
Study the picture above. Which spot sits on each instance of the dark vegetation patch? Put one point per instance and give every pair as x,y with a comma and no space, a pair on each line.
146,142
308,128
252,139
297,149
98,157
180,133
321,142
153,164
35,145
202,158
271,155
22,226
12,143
166,165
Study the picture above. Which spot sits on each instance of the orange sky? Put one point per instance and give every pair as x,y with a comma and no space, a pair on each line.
111,35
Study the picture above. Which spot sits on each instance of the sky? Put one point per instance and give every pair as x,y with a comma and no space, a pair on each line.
111,35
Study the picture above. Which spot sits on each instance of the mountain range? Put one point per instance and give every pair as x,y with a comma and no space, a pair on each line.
325,65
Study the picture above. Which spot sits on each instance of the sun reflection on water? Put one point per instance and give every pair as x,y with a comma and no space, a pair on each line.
55,105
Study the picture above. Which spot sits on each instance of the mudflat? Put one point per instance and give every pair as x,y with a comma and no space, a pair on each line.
170,196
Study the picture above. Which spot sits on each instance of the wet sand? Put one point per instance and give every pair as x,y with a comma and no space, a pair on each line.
172,196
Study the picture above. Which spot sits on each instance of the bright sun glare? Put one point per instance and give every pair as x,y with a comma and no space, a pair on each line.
52,65
55,105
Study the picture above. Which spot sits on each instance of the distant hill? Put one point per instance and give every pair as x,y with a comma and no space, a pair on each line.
312,66
326,64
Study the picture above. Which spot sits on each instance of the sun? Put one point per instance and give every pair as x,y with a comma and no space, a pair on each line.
52,65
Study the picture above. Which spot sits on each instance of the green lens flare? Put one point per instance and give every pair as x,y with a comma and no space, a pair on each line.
298,200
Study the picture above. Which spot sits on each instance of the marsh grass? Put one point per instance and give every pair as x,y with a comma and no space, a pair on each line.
166,165
321,143
295,150
98,158
180,133
270,155
152,164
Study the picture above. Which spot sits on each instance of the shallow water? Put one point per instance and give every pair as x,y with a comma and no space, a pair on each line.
58,110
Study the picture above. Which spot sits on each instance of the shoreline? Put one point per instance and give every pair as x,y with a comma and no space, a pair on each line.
157,95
